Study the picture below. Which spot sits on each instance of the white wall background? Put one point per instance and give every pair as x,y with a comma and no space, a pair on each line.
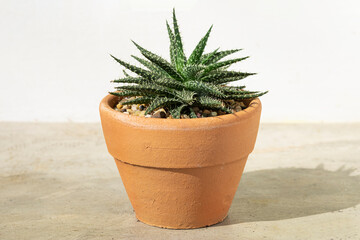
54,62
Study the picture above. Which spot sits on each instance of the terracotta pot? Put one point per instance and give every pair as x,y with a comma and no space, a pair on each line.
180,173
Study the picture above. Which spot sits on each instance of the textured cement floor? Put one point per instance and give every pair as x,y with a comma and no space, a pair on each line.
57,181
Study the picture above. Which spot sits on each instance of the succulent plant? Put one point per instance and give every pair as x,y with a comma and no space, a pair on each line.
183,83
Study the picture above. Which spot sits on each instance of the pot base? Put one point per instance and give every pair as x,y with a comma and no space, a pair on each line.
181,198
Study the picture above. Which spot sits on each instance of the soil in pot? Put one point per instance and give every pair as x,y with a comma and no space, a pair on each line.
140,109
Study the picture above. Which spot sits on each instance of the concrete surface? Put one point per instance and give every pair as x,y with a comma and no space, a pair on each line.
57,181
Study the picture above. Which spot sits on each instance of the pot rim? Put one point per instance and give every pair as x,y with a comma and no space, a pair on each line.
108,102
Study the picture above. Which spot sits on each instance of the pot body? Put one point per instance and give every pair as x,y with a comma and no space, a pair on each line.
180,173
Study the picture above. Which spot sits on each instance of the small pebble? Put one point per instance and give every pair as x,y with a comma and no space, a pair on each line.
196,109
198,115
134,107
238,108
162,114
213,114
148,116
159,114
119,106
126,113
185,116
141,107
123,110
156,115
206,113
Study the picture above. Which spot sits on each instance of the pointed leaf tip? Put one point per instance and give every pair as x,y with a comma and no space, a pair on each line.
195,56
134,43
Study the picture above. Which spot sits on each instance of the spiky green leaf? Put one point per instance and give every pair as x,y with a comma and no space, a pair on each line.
222,81
126,93
186,96
199,49
207,56
202,87
138,100
231,89
219,55
193,71
172,49
152,67
170,83
210,102
160,62
235,87
139,71
247,95
176,111
192,113
160,102
147,88
137,80
125,73
218,65
219,76
180,56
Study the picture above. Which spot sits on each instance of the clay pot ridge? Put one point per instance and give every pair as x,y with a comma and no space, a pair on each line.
179,143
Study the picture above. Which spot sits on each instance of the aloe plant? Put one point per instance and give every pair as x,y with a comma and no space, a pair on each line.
183,83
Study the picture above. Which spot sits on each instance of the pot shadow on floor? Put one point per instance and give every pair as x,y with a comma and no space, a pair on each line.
284,193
